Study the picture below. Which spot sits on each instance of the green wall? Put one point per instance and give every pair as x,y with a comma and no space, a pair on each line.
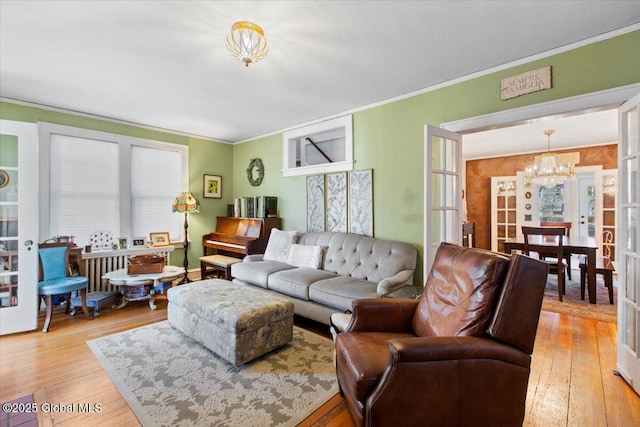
389,138
205,157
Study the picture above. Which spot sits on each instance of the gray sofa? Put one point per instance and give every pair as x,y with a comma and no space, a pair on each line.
322,272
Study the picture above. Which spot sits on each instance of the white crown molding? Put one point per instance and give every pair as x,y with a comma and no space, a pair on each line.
111,120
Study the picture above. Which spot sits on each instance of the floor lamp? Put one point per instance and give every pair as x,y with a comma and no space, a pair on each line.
185,202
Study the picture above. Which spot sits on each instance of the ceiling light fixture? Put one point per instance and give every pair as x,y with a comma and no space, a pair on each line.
247,43
548,173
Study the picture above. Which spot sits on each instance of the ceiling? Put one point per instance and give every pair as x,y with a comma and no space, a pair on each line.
165,64
571,131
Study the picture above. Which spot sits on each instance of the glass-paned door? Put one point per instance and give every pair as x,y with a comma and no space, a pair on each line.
18,227
552,203
628,244
442,191
586,207
503,210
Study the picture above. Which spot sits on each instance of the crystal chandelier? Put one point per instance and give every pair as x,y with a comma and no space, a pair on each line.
247,43
548,173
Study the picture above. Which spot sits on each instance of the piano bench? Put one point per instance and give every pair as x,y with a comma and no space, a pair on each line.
217,265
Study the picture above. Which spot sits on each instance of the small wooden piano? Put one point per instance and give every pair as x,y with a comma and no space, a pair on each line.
238,237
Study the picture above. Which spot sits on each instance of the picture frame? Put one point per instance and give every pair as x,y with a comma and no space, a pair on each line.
336,200
160,238
361,202
122,243
212,186
138,242
316,218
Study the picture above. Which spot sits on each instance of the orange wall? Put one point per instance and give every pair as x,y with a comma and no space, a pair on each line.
479,173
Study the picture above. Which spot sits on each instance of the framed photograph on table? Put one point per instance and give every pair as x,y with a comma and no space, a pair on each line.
138,242
159,239
122,243
212,186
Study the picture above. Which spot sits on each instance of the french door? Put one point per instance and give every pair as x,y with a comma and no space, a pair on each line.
628,244
442,191
18,226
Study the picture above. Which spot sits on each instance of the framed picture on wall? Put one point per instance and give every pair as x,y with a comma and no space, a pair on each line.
336,187
212,186
315,203
361,202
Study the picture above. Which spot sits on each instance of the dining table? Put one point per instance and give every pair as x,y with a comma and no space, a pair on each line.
570,245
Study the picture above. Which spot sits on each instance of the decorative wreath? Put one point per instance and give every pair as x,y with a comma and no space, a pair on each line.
259,166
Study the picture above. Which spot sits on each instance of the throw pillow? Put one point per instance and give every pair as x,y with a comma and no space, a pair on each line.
279,244
305,256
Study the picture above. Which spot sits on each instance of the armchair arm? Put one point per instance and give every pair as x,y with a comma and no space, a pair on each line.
465,381
382,315
253,258
439,349
395,282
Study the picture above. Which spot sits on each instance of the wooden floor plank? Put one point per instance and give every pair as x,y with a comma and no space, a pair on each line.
549,407
586,402
571,369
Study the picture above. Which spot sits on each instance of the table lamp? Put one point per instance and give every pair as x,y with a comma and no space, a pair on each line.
185,202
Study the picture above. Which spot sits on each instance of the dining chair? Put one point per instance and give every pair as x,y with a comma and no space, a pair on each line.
567,227
549,249
56,279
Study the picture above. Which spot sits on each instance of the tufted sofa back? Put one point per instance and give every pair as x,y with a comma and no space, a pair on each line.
362,257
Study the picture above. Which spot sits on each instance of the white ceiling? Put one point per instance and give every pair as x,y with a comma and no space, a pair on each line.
590,128
165,63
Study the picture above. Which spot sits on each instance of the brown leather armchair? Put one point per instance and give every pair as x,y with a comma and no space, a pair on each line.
460,356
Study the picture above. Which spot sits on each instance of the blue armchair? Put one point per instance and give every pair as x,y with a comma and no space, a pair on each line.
55,279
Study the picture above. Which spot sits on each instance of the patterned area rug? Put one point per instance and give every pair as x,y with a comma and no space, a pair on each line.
168,379
573,305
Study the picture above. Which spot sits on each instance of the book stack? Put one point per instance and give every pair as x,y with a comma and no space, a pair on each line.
256,207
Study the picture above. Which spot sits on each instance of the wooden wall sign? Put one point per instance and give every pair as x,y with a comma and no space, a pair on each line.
531,81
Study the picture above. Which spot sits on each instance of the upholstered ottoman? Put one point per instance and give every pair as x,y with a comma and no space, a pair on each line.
235,321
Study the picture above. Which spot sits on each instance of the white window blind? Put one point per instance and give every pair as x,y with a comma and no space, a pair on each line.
155,182
83,187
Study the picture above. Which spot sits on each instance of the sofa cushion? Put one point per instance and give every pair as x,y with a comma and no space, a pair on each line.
279,244
460,292
295,282
305,256
340,291
257,272
362,257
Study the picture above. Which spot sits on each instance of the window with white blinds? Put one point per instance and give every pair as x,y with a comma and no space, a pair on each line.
155,183
83,187
92,181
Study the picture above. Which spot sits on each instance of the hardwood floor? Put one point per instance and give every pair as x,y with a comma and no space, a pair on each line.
572,381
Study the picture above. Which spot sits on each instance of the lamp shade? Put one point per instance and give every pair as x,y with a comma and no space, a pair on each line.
185,202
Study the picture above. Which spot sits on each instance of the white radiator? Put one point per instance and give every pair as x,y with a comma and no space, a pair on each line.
97,264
